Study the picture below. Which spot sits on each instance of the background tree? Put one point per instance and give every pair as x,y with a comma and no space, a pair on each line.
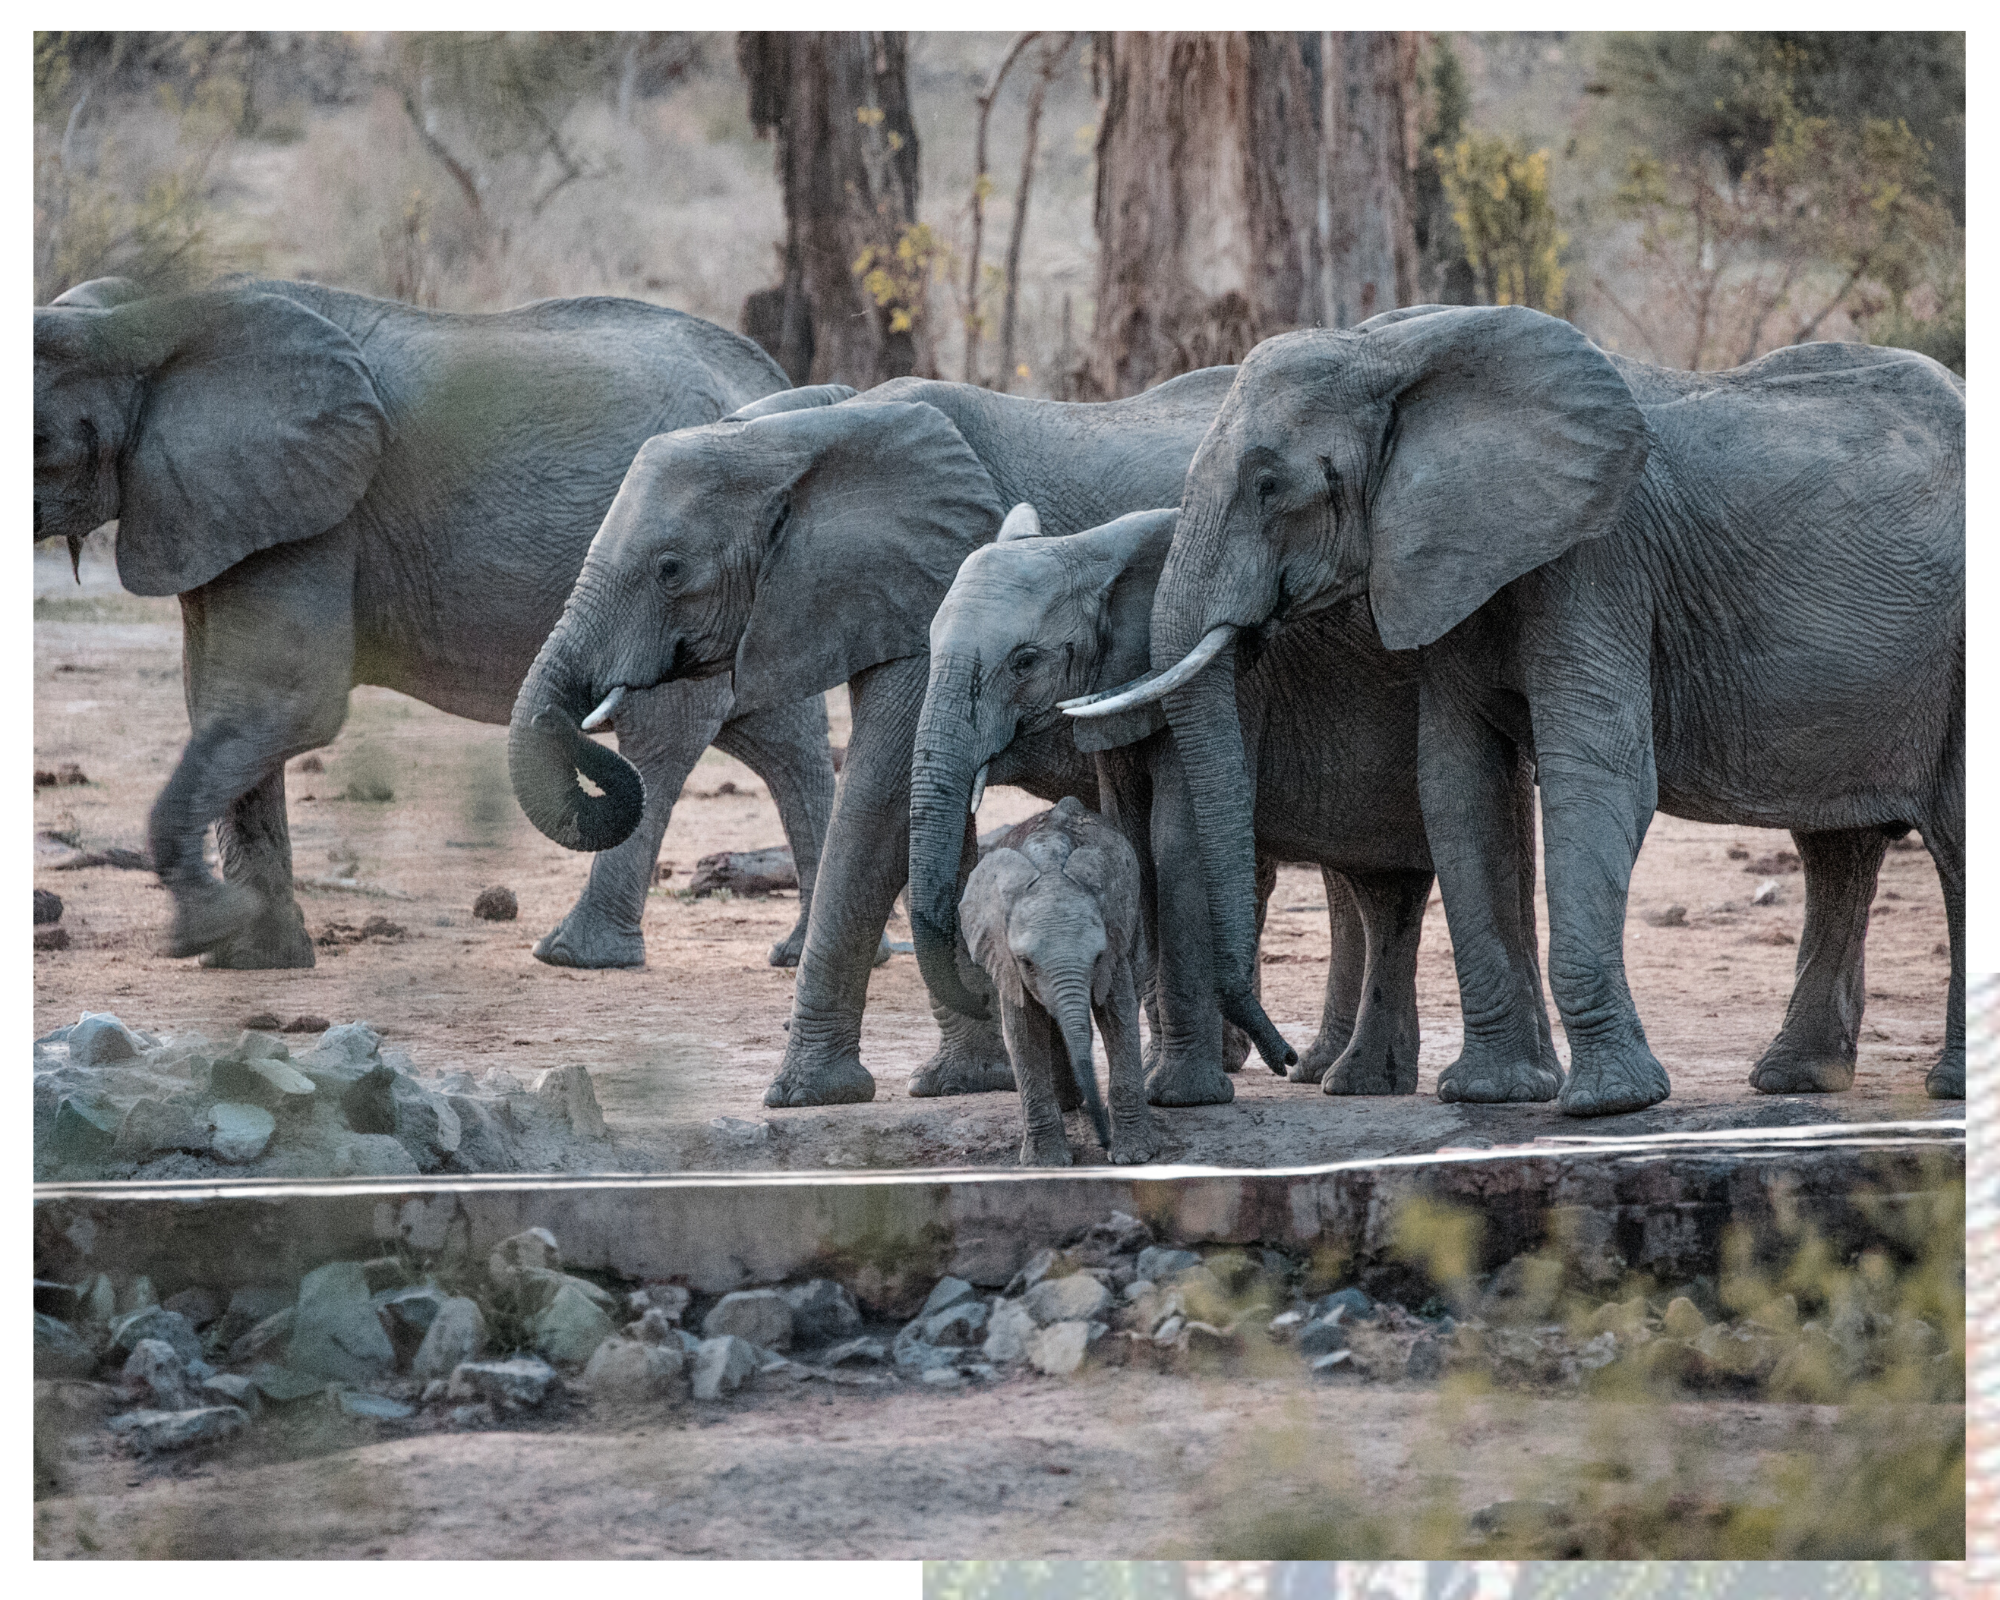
856,261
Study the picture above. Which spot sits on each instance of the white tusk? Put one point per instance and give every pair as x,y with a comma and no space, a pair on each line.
605,711
979,786
1105,704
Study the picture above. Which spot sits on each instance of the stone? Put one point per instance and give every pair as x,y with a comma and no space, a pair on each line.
253,1044
160,1125
99,1300
366,1155
949,1292
856,1352
1425,1363
360,1403
625,1369
86,1127
1674,916
138,1295
570,1327
1683,1319
496,905
154,1322
335,1330
821,1310
536,1247
567,1091
1120,1233
722,1365
1351,1304
415,1307
457,1334
1320,1337
1766,893
267,1081
285,1384
671,1300
242,1132
156,1431
536,1287
199,1306
98,1039
155,1366
762,1316
1009,1327
249,1305
1285,1324
262,1337
912,1353
353,1043
655,1327
1077,1298
1162,1265
1058,1349
518,1381
306,1022
232,1389
385,1101
48,907
60,1351
961,1324
1042,1264
474,1416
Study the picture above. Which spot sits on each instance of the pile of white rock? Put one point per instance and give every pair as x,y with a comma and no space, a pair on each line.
114,1102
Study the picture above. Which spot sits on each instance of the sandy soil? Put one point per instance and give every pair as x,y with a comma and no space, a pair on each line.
698,1034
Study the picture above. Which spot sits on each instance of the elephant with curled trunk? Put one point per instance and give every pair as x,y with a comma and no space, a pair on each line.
345,490
1033,621
808,548
1735,596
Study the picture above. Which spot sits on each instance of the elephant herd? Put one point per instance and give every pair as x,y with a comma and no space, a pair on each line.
1350,603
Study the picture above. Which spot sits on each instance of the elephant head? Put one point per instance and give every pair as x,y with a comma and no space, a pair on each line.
1028,622
792,550
1425,459
210,425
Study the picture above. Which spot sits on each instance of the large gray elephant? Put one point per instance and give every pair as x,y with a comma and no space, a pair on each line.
1736,596
347,490
1032,621
810,548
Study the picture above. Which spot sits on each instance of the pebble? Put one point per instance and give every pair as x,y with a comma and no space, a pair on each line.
285,1384
242,1132
1058,1349
518,1381
1077,1298
155,1431
821,1310
762,1316
1766,893
335,1331
1333,1361
456,1334
48,907
943,1377
722,1366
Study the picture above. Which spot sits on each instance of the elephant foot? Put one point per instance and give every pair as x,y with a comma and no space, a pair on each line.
1048,1150
210,914
1134,1147
1319,1056
957,1071
1486,1078
1365,1070
1786,1068
1603,1085
277,938
584,941
1179,1081
1946,1080
842,1081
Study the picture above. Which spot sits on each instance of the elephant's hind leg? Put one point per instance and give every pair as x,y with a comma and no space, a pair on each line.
256,848
1381,1058
787,748
1346,969
1815,1049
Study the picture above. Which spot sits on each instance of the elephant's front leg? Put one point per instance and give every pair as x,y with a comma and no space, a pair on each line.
1188,1060
1346,969
268,654
1381,1057
1815,1050
866,862
1135,1138
662,732
971,1057
787,748
1036,1045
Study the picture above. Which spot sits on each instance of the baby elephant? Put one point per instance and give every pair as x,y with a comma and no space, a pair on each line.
1052,914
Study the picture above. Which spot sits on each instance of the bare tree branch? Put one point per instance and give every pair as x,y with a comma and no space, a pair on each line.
984,100
1053,55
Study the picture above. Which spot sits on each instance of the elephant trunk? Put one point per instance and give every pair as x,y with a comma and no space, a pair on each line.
1071,992
550,761
949,753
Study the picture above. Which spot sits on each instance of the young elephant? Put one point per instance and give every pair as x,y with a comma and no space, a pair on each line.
1052,914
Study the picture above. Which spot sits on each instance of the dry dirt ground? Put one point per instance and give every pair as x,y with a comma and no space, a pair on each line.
1114,1463
698,1034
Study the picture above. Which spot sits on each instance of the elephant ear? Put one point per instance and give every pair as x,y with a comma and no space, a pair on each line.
1134,549
802,399
1512,438
259,424
995,884
885,502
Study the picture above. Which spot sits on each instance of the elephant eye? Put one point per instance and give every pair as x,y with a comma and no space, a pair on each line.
672,570
1267,486
1026,658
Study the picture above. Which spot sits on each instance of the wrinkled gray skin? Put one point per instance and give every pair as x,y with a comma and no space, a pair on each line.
1030,622
1735,596
811,548
345,490
1052,917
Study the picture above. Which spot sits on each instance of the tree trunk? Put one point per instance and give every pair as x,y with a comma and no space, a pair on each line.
1244,191
850,306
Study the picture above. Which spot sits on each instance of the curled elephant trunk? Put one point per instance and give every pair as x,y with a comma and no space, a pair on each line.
572,788
1073,1017
949,753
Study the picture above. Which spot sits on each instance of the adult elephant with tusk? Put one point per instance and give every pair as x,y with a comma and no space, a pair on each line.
811,548
345,490
1738,596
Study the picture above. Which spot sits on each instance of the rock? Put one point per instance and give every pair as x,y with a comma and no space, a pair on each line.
567,1091
1766,893
335,1331
669,1299
1058,1349
655,1327
535,1248
722,1365
625,1369
60,1351
265,1081
254,1044
762,1316
99,1300
155,1431
519,1381
740,1133
1077,1298
476,1416
821,1310
354,1043
570,1327
949,1292
153,1322
1008,1329
1683,1319
415,1307
856,1352
1162,1265
86,1127
264,1338
960,1324
48,907
1350,1304
496,905
1426,1360
1120,1234
1285,1324
155,1366
536,1287
232,1389
1779,1316
1524,1525
52,938
359,1403
199,1306
1320,1337
261,1022
98,1039
1597,1352
160,1125
248,1306
1674,916
284,1384
457,1334
242,1132
913,1353
1042,1264
138,1295
384,1101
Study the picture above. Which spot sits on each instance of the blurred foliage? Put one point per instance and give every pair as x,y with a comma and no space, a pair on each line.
898,282
1053,1580
1445,95
1499,196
